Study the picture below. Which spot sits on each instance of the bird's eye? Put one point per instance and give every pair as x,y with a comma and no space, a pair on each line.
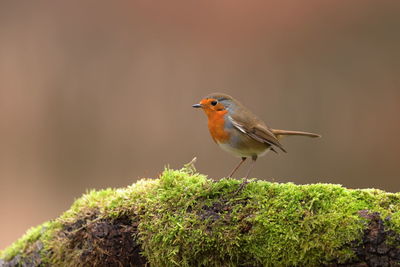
214,102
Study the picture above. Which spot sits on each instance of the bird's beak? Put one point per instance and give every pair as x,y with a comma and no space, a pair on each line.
197,106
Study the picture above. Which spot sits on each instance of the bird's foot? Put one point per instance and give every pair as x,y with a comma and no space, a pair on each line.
241,186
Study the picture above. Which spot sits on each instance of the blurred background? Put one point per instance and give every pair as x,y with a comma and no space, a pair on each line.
97,95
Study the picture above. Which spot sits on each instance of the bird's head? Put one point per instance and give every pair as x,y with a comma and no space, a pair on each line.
216,103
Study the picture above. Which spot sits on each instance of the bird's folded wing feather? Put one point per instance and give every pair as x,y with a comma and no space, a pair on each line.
257,131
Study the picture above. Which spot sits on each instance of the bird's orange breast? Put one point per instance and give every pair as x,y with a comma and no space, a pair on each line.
216,125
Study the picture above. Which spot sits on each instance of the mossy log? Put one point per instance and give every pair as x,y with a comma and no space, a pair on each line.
186,219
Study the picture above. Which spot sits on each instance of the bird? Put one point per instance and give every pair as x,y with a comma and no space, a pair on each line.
238,131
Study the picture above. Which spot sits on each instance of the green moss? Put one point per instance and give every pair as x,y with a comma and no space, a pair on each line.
31,236
23,246
267,223
189,220
395,221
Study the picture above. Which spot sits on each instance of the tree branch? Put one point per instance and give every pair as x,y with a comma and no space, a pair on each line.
185,219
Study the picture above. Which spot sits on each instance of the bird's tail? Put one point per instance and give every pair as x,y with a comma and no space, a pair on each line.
280,133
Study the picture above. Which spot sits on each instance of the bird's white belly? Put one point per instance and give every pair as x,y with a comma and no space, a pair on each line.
242,152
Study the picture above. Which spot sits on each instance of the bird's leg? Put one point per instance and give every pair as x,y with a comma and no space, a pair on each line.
245,181
253,161
237,166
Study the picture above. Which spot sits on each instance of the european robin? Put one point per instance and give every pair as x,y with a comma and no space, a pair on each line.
235,129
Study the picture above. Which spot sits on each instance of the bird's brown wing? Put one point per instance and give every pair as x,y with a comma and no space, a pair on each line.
256,129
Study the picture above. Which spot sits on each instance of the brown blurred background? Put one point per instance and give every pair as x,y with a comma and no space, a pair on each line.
96,95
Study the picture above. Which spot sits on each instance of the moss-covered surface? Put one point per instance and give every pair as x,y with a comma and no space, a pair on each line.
185,219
